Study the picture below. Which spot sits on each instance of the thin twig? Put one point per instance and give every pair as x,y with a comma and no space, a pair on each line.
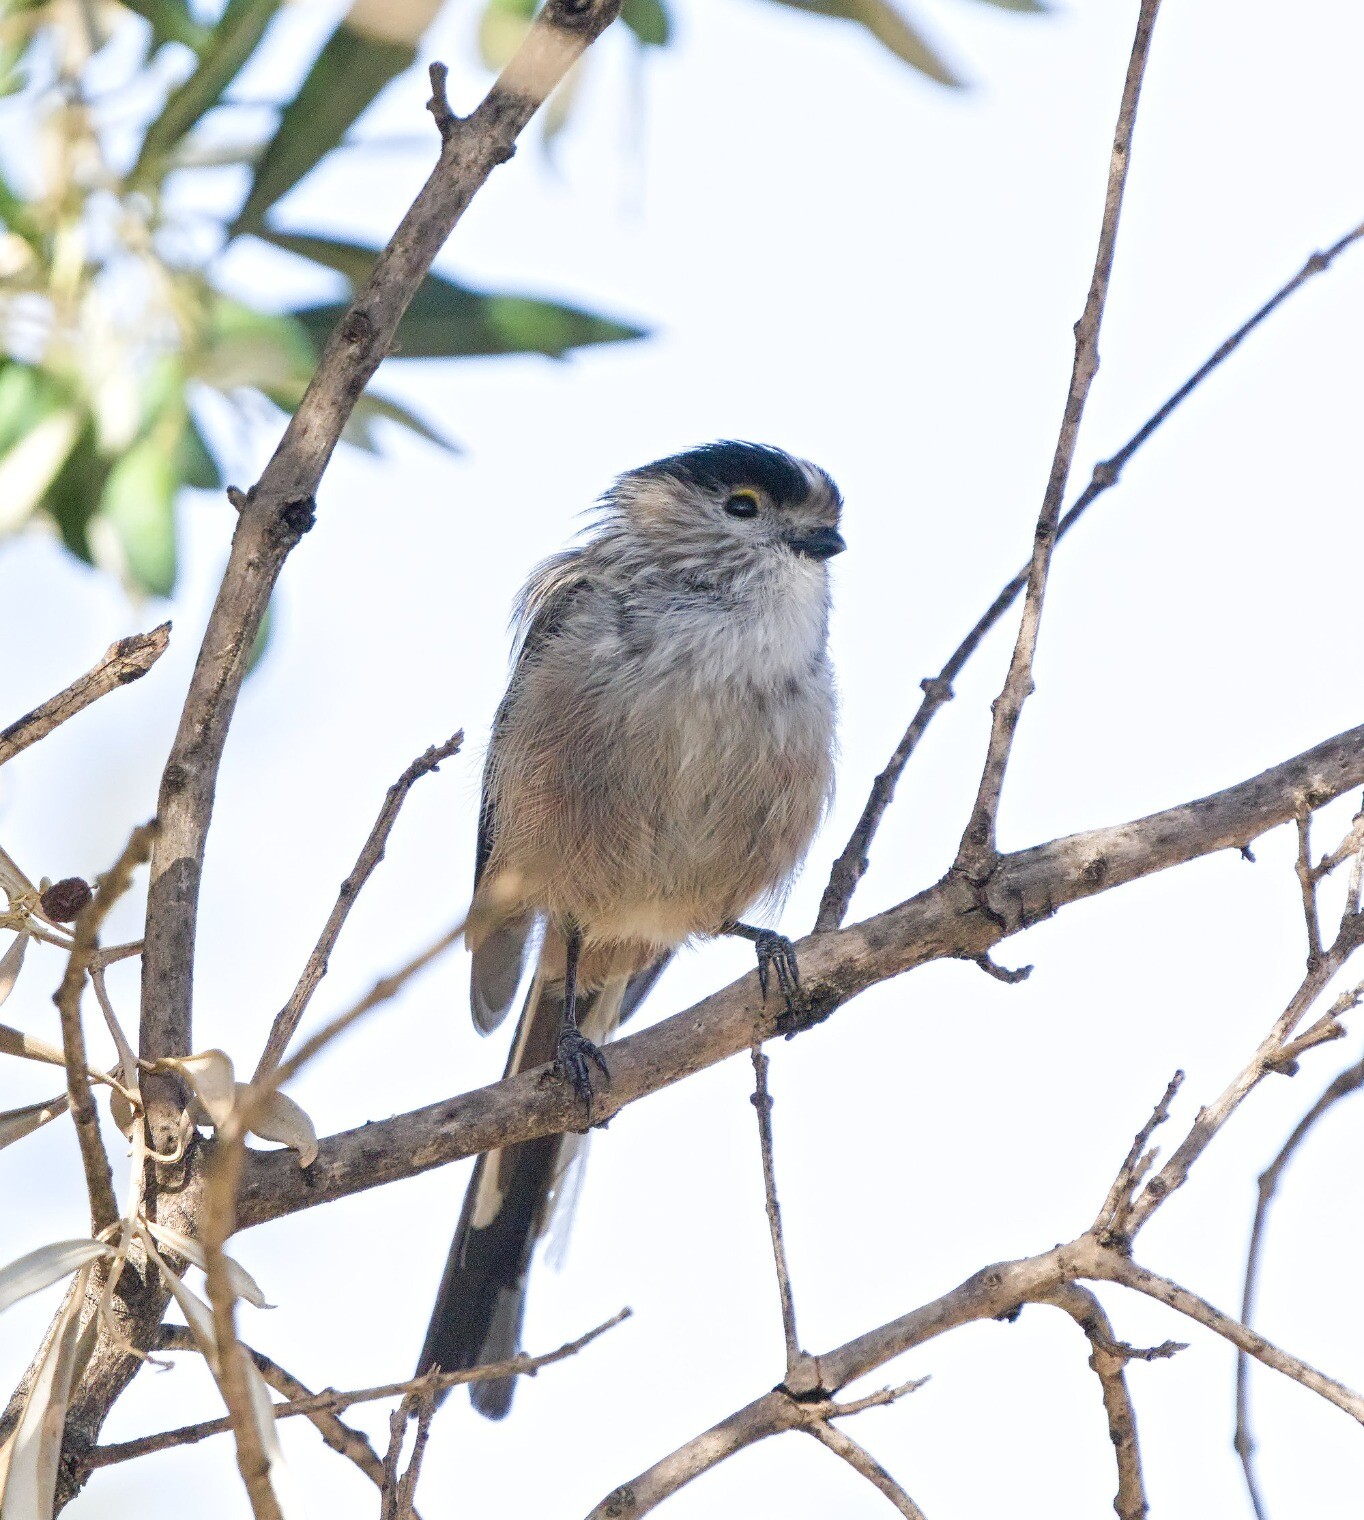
1270,1056
288,1018
1135,1164
125,661
762,1103
861,1461
104,1211
331,1401
1109,1363
977,852
344,1439
851,865
1307,883
1348,1081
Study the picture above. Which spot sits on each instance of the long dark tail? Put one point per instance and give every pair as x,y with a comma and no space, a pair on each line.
482,1300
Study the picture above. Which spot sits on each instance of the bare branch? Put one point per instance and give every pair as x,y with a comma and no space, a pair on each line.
111,886
124,661
1348,1081
1111,1266
978,842
288,1018
762,1102
344,1439
851,865
1307,883
861,1461
1111,1218
330,1401
1109,1363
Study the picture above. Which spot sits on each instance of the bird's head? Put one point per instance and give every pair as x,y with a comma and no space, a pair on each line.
730,508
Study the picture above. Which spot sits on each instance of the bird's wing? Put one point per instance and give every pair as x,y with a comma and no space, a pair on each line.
500,958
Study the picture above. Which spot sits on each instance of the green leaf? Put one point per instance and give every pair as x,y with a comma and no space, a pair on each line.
242,346
448,320
264,633
348,73
349,259
194,461
890,28
27,394
74,495
648,20
171,22
232,42
385,408
139,502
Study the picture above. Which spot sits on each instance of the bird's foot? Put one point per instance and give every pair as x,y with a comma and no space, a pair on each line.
777,955
575,1058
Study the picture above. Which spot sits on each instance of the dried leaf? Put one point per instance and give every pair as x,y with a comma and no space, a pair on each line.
198,1316
32,1458
243,1284
48,1264
211,1076
15,1123
11,963
14,1042
12,879
279,1118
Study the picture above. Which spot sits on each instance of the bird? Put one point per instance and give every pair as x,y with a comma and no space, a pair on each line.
657,768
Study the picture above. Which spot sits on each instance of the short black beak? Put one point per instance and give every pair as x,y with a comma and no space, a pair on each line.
823,543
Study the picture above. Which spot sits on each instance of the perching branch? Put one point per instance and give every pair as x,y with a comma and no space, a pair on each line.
977,852
124,661
953,919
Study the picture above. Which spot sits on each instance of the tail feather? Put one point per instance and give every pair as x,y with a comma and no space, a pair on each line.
481,1304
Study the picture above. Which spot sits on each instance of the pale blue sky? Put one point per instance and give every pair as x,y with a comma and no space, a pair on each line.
841,259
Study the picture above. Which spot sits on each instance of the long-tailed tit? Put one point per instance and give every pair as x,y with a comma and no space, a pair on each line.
658,766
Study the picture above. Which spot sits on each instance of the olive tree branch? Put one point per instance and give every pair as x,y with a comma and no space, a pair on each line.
125,661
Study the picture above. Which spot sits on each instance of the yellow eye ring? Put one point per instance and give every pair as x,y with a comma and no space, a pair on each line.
742,504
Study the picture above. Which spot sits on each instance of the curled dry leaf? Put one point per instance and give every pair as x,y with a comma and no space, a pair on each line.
198,1315
211,1076
11,963
48,1264
13,882
14,1042
243,1284
32,1454
277,1117
18,1122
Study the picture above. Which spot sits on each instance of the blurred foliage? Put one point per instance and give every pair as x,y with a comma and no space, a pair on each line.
114,339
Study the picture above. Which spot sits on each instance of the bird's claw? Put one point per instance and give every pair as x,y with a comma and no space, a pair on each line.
575,1058
777,954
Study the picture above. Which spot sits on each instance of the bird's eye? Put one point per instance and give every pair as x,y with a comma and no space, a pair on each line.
742,504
